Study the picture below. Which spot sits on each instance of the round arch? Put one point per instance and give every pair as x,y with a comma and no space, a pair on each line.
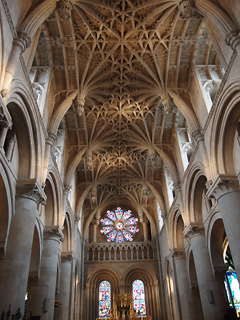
224,131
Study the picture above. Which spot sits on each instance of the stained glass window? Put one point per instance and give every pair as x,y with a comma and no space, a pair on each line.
231,283
104,299
119,226
139,297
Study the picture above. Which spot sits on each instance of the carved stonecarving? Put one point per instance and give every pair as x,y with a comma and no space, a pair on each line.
178,254
223,185
31,190
233,39
65,10
53,233
67,256
186,9
193,230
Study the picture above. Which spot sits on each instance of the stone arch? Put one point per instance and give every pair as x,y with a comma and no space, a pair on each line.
178,232
52,207
148,277
36,254
195,188
26,127
6,209
224,147
215,237
215,15
36,17
92,286
188,113
67,232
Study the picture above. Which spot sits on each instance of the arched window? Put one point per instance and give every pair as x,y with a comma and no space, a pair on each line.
231,281
139,303
104,299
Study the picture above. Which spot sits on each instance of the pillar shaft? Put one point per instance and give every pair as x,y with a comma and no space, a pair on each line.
63,311
19,45
14,269
42,295
211,290
189,305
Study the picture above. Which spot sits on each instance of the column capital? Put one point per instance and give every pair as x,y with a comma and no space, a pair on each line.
193,230
224,184
197,135
233,39
5,124
178,253
67,256
177,187
53,233
51,138
31,189
67,189
23,41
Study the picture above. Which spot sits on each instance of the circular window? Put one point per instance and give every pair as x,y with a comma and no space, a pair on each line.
119,226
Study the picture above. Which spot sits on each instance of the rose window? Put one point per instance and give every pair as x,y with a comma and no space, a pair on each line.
119,226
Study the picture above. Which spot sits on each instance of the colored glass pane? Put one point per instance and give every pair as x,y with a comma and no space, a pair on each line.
119,226
104,299
139,297
232,288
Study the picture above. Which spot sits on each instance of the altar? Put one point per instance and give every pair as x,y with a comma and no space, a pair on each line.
122,308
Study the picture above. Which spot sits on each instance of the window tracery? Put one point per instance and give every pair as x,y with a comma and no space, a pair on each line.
104,299
119,226
139,297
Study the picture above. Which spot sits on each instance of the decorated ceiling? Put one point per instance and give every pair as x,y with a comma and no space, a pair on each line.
130,62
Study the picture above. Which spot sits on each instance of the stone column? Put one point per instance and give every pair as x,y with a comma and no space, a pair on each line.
14,269
226,191
20,43
189,307
211,290
145,231
10,147
4,127
49,144
64,296
42,296
199,138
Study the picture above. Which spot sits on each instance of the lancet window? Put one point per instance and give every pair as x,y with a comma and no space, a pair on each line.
104,299
139,303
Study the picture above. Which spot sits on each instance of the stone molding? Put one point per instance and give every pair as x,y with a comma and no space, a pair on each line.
65,10
53,233
22,41
197,135
193,230
223,185
186,9
67,256
178,253
31,189
51,138
233,39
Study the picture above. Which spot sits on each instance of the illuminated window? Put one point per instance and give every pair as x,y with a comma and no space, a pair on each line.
104,299
119,226
139,297
232,284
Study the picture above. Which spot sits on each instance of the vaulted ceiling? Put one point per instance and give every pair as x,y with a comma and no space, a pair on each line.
124,58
